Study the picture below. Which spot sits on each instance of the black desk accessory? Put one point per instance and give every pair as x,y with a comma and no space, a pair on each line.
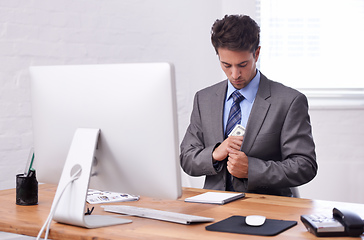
236,224
27,189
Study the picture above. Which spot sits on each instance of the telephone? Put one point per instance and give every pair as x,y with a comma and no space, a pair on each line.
341,223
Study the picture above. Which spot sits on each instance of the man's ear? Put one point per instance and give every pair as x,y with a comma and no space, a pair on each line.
256,55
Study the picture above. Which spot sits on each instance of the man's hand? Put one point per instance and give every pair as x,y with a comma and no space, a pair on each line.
237,163
232,142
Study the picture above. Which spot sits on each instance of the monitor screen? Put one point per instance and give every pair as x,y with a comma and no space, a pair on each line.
133,105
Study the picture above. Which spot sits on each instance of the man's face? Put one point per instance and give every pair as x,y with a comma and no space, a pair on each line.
239,66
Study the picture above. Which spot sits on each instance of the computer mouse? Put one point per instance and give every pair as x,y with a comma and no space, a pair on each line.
255,220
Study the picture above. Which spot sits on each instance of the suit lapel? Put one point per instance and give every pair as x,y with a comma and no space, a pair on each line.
258,114
217,111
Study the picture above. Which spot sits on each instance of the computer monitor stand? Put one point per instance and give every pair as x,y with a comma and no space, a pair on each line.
70,199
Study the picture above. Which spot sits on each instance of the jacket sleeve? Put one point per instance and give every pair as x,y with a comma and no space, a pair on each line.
196,157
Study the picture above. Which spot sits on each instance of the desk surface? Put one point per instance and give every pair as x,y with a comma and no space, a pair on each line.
28,220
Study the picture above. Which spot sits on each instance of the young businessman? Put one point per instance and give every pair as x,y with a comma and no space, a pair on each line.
277,151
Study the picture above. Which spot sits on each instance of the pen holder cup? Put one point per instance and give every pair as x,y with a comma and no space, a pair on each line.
26,190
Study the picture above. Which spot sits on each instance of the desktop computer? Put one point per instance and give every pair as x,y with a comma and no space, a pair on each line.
114,123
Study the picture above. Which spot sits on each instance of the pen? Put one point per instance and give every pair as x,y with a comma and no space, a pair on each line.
29,162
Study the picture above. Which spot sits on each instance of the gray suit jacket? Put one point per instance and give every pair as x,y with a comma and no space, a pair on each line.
278,140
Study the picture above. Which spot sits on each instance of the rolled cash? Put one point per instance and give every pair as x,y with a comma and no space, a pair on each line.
238,130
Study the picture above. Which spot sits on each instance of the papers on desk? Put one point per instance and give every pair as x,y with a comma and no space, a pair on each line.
215,197
96,196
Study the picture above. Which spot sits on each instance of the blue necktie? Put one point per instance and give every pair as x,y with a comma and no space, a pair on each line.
235,112
234,118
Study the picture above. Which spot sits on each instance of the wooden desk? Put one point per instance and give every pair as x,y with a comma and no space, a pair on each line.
28,220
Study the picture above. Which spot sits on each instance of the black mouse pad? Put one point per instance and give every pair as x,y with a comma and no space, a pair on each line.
236,224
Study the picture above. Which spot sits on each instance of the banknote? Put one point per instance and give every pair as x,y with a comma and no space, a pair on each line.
238,130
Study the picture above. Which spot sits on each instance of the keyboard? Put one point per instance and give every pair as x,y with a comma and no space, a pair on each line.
156,214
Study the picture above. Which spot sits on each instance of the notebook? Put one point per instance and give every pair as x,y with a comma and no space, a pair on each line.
215,197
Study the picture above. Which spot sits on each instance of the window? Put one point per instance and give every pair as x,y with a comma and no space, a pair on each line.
314,45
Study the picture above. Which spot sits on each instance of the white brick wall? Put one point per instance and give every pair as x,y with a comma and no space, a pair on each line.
55,32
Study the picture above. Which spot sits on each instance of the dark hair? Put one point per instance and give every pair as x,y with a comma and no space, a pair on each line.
236,33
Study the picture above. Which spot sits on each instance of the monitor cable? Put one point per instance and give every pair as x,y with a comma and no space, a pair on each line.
48,222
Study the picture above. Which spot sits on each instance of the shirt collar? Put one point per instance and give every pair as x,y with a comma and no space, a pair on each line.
249,92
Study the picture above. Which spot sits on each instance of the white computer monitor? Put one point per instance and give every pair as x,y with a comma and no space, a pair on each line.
134,108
